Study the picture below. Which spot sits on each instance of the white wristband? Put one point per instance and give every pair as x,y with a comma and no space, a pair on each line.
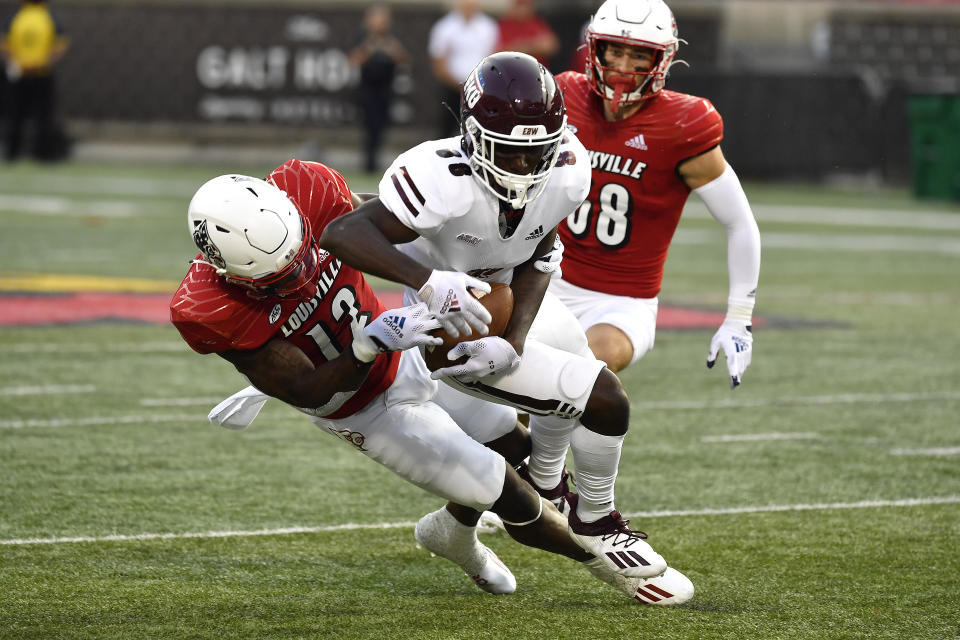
364,350
740,310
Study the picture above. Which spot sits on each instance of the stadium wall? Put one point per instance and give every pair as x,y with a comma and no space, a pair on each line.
810,103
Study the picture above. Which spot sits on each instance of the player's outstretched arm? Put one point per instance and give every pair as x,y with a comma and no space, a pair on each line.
365,240
718,186
280,369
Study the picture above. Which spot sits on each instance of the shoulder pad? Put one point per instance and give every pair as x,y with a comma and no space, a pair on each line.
319,192
573,168
212,318
428,185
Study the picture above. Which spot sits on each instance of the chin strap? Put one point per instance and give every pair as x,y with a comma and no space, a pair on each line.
220,271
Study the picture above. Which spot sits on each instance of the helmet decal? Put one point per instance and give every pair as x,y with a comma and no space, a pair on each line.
473,88
201,238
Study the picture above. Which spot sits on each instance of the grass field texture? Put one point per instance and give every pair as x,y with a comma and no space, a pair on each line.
820,500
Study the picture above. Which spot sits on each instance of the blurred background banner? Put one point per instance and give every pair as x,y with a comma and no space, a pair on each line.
808,89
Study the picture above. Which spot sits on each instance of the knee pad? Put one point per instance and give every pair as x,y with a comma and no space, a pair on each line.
576,381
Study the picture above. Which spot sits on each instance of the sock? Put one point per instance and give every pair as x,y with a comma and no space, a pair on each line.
596,459
549,441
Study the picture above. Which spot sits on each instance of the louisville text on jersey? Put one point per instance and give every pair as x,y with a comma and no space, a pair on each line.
306,309
615,163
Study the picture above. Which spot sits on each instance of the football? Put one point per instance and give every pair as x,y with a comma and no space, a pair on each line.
499,302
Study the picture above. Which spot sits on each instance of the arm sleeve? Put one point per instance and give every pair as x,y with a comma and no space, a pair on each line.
726,201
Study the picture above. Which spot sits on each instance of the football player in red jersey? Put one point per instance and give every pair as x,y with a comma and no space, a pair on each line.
649,148
307,329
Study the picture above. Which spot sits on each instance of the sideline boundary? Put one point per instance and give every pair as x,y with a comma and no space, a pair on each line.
829,506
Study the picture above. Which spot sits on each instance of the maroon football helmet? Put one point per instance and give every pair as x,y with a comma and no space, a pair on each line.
513,119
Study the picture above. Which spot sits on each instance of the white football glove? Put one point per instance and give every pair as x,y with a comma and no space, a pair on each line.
446,295
736,340
550,263
395,330
487,356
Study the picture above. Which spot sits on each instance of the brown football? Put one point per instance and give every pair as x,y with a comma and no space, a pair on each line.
499,302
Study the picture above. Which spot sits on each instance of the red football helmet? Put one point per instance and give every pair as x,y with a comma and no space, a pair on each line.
513,119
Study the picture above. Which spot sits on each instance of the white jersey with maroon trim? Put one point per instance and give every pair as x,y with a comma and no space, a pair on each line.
431,190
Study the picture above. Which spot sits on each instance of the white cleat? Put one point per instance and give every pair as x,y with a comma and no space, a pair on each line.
623,550
440,534
669,588
494,577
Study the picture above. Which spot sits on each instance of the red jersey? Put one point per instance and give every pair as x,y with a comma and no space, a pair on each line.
617,241
214,316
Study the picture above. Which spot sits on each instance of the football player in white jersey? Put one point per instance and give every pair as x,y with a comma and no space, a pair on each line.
484,207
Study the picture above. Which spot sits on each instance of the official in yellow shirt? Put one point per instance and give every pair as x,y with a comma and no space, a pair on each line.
32,44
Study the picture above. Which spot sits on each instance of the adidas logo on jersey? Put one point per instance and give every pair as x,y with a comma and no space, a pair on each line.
637,142
536,233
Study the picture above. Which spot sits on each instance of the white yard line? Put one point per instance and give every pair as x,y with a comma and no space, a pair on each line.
677,405
52,206
47,389
129,347
824,242
829,506
87,422
845,398
842,216
936,451
139,187
760,437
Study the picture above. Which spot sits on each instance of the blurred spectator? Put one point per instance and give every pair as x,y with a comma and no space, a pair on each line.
521,29
458,41
32,45
378,53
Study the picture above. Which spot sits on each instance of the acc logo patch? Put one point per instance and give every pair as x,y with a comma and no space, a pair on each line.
275,313
201,238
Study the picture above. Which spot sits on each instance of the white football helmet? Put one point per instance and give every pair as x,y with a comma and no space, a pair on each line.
253,235
638,23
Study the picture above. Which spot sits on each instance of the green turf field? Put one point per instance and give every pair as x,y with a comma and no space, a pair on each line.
821,500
